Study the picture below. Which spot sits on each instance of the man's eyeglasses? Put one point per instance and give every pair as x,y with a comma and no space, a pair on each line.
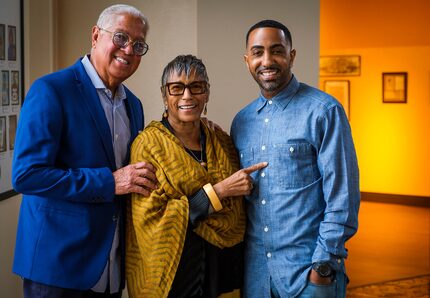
122,40
177,88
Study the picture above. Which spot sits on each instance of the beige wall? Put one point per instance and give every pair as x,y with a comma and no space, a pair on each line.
172,30
57,32
222,26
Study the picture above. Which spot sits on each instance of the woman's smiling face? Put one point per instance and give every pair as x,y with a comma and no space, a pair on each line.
189,106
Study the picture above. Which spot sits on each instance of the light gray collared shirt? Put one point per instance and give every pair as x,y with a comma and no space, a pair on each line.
119,123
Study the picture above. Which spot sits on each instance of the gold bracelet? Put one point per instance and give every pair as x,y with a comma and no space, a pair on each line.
215,202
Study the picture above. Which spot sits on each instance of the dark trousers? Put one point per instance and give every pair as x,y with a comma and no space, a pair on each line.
34,289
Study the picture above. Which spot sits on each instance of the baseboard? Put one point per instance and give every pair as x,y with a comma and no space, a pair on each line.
418,201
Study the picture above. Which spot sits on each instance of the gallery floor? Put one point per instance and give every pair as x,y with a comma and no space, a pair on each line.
390,252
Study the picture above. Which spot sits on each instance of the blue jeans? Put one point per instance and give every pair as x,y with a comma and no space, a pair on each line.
337,289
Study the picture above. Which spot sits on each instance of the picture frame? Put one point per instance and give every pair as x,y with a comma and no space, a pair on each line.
13,122
4,88
2,42
3,145
14,88
340,65
394,87
11,48
339,89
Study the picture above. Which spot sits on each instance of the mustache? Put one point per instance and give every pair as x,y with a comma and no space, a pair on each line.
271,67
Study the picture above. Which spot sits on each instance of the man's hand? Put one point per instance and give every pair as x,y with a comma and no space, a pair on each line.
315,278
138,178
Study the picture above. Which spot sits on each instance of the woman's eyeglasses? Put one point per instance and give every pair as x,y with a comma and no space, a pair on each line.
177,88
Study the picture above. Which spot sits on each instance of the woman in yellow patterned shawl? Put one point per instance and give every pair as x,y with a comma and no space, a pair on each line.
184,240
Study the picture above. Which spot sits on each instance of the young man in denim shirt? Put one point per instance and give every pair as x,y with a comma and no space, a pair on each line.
305,202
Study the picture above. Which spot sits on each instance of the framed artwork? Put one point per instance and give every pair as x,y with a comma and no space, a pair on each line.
339,89
14,87
342,65
3,146
13,121
11,47
11,86
394,87
5,88
2,42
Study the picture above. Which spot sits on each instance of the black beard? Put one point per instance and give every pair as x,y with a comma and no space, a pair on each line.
270,86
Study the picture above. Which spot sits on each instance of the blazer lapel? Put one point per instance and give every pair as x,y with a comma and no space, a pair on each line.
94,107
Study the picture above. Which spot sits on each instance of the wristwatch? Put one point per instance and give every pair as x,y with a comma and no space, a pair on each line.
323,269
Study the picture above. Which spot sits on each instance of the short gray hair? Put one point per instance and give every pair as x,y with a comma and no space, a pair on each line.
184,64
106,17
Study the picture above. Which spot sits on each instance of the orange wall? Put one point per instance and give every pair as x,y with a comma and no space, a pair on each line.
392,140
374,23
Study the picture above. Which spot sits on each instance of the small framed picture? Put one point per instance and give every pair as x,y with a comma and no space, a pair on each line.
14,87
342,65
2,133
11,47
2,42
4,88
12,131
394,87
339,89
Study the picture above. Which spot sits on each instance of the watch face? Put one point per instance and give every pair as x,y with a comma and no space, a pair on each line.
323,269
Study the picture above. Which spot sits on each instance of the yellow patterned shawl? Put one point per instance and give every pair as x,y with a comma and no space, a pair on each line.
156,226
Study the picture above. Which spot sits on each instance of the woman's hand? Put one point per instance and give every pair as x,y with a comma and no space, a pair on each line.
238,184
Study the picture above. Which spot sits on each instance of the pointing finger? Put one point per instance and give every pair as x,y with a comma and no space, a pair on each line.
255,167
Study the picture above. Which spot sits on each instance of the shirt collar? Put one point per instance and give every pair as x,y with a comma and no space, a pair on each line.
283,97
97,82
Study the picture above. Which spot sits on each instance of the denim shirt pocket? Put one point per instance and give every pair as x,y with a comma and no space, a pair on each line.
247,159
297,164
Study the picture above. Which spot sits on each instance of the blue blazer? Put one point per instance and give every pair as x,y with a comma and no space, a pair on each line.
63,163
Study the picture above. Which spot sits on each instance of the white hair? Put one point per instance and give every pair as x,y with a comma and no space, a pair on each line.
106,18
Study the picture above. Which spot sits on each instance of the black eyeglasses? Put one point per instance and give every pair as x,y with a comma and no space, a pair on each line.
177,88
122,40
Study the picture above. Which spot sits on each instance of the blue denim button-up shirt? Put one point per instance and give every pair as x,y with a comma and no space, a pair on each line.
305,202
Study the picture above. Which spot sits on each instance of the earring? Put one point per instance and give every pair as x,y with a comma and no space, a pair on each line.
205,111
165,112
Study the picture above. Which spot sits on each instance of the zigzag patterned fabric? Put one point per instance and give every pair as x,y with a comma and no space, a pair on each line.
156,226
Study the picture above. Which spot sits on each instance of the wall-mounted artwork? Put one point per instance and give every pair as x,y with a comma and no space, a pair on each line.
2,42
339,89
11,87
394,87
342,65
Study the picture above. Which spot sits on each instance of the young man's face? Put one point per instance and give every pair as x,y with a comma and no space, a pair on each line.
269,58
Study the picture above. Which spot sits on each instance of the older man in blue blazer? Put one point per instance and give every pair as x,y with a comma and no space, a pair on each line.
71,164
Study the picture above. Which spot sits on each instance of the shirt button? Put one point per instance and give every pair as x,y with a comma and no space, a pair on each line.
270,102
266,120
116,137
269,255
266,229
263,174
263,147
241,155
263,202
339,261
291,149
